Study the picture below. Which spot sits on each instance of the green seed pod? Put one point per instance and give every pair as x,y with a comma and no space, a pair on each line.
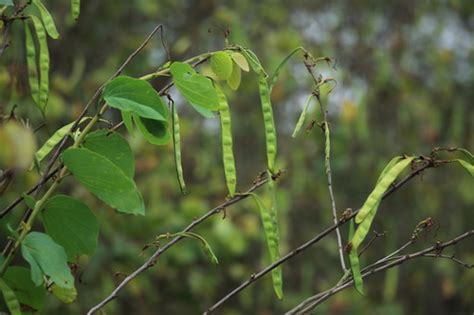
227,150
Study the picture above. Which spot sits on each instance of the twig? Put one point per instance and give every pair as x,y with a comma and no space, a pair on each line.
346,277
62,144
330,186
371,241
11,247
153,258
427,163
97,94
456,260
374,268
28,192
7,21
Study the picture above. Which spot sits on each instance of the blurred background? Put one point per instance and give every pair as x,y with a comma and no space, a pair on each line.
405,85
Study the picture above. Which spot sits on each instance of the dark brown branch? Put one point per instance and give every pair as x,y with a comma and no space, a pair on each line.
427,163
311,303
260,181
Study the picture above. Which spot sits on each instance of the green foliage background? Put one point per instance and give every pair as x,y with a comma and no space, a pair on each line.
405,85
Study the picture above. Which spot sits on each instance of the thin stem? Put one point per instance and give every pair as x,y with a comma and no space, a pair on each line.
256,276
154,257
62,144
374,268
330,185
30,216
166,71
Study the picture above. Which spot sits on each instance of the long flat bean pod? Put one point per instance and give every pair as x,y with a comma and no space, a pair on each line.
75,8
33,78
49,145
275,74
380,188
227,150
268,120
327,148
207,248
48,21
43,62
302,118
270,228
177,149
10,298
388,167
355,263
363,228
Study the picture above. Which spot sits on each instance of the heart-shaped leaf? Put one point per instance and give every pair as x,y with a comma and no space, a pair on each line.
137,96
46,258
104,179
72,225
114,147
196,88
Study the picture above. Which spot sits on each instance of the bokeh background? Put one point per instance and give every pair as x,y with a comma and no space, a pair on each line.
405,85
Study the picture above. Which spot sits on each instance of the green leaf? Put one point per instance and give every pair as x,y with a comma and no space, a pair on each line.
48,21
6,2
72,225
155,132
19,280
234,80
114,147
128,121
65,295
204,112
240,60
10,298
29,200
253,60
46,258
221,65
104,179
137,96
195,88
